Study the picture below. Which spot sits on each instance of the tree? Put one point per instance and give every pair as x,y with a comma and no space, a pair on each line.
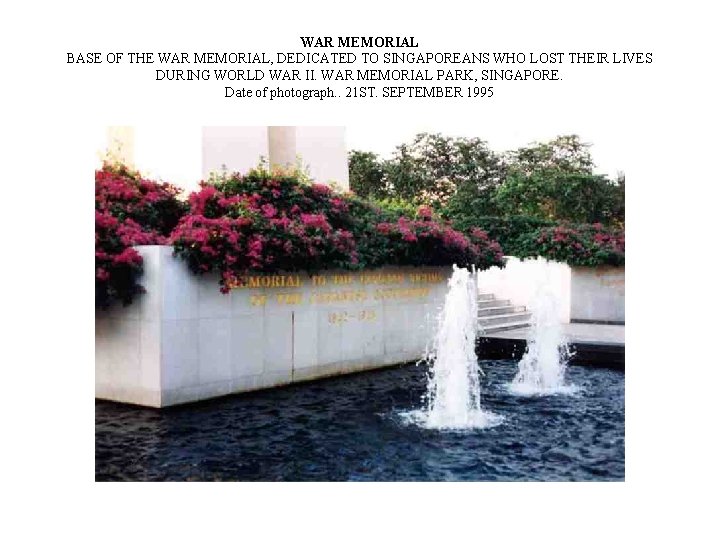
563,154
554,180
465,180
553,195
366,174
433,167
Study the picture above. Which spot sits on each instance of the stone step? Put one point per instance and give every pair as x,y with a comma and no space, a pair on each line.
504,326
492,320
486,296
500,310
483,304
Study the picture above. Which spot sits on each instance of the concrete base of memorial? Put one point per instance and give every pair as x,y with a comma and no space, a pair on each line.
184,341
597,295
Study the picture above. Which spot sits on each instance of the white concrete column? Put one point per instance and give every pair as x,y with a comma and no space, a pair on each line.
183,155
282,144
235,148
323,151
170,153
121,144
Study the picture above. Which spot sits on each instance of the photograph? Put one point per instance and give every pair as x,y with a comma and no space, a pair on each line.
360,270
274,304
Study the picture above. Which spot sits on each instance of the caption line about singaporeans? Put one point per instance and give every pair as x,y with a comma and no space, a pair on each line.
359,68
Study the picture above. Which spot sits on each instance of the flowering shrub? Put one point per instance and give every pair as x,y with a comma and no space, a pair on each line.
508,231
584,245
117,264
129,211
428,242
262,223
279,221
125,194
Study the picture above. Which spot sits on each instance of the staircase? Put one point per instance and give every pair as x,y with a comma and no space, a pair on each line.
496,315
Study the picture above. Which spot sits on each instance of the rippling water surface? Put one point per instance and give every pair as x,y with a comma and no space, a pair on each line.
353,428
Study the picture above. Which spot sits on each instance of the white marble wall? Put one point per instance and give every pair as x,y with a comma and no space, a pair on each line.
185,341
598,294
128,342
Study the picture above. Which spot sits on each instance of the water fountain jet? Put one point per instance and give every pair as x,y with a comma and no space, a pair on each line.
541,371
453,392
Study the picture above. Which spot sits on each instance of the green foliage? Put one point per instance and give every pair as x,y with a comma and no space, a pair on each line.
396,207
429,170
469,203
554,181
462,179
366,174
506,230
554,195
563,154
551,181
432,168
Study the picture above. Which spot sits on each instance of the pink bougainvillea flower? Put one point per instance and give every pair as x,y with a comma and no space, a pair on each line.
425,212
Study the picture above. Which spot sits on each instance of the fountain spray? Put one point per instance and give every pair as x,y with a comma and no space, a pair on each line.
453,392
541,371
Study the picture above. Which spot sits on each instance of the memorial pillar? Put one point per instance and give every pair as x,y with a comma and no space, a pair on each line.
121,144
282,146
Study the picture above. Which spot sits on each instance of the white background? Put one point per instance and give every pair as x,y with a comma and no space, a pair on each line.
656,124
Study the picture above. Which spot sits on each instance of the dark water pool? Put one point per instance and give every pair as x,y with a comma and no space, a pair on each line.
349,428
